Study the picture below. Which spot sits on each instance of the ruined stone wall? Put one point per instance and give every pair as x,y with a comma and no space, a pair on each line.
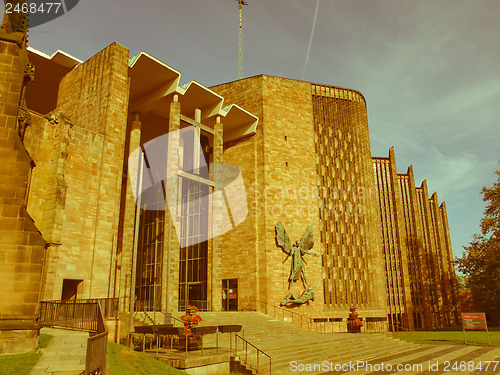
21,244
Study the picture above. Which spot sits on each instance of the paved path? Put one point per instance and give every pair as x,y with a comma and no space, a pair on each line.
65,354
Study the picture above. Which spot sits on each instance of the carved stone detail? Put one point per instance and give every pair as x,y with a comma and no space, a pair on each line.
29,72
24,120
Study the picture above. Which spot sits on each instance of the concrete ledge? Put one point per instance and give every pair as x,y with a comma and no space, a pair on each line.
194,359
16,325
18,341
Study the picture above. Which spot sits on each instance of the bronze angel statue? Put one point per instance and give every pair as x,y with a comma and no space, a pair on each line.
296,251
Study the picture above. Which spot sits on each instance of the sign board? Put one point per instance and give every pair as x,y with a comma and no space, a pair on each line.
474,321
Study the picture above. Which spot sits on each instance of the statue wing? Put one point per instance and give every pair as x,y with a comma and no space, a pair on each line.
282,239
307,240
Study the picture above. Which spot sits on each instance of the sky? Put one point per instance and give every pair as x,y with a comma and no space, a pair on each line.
429,70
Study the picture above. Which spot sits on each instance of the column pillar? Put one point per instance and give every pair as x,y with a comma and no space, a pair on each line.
453,308
218,206
420,248
124,267
171,245
433,254
402,243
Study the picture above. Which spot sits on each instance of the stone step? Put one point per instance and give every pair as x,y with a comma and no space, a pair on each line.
337,344
286,342
320,357
334,352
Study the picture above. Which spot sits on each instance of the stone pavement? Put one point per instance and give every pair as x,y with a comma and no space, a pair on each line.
65,354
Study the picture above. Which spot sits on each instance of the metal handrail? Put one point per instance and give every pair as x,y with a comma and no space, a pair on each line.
309,320
246,342
404,329
69,314
109,306
399,327
82,315
97,346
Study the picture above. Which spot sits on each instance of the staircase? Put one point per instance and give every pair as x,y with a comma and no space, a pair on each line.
148,318
297,350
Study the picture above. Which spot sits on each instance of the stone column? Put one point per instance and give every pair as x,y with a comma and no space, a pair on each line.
124,267
420,248
398,207
218,205
441,260
53,215
433,254
450,268
171,246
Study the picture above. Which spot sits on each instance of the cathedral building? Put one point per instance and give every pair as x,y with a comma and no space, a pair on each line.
118,182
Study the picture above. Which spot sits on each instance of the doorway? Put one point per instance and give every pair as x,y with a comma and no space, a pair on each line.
70,289
230,295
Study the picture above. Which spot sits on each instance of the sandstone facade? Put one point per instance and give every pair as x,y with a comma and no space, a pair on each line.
101,196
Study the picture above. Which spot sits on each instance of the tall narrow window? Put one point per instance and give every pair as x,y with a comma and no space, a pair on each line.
150,251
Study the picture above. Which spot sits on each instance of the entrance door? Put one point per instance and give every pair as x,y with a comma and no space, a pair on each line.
70,289
230,295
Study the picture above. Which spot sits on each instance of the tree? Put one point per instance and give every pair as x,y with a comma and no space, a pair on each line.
480,262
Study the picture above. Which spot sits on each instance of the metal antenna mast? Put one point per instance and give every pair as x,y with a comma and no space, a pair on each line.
240,42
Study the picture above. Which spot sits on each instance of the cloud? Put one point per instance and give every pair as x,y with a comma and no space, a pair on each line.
457,174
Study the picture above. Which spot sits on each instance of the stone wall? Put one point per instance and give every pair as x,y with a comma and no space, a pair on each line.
312,140
79,150
21,244
279,166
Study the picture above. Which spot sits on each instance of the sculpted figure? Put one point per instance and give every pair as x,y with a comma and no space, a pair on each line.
304,297
296,251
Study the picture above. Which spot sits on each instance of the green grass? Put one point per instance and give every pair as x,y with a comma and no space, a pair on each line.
449,337
124,361
43,340
21,364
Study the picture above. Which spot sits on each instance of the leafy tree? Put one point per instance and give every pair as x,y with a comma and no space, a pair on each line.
480,263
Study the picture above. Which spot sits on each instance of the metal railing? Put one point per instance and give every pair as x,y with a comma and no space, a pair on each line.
109,306
375,325
295,318
250,359
97,347
69,314
202,305
85,316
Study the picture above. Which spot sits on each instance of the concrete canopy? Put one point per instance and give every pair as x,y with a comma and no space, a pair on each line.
154,83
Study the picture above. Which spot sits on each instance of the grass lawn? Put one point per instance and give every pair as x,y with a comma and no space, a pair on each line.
124,361
450,337
21,364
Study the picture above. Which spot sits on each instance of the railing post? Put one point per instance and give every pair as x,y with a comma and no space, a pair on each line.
257,360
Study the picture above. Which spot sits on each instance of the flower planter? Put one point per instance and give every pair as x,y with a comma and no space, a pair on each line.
354,322
353,329
193,344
